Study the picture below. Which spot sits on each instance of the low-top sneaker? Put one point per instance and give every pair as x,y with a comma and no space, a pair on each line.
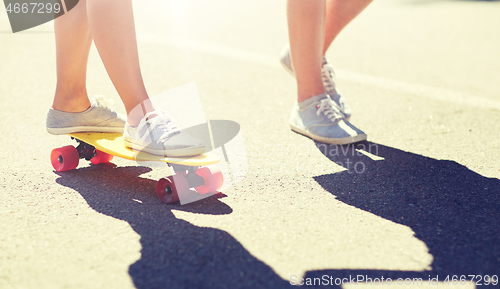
320,119
157,134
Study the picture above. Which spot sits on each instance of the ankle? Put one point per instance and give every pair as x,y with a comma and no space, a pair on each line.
136,113
71,101
302,96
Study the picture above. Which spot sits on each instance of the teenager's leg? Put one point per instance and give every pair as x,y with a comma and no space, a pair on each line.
338,14
113,30
316,114
306,22
73,42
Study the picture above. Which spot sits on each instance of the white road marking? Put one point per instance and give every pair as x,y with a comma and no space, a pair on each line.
384,83
420,90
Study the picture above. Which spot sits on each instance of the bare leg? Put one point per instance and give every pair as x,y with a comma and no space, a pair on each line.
111,24
72,50
113,29
306,28
321,118
338,14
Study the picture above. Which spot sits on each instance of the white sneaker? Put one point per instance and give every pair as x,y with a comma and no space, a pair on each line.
157,134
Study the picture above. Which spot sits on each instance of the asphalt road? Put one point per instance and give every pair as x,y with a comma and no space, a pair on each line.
420,199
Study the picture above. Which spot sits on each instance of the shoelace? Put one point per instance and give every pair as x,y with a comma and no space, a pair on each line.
103,102
330,109
159,121
328,76
329,82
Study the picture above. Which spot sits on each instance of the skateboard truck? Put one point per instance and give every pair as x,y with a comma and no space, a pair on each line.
85,151
189,173
203,179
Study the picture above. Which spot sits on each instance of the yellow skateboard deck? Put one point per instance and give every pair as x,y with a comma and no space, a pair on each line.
190,172
113,144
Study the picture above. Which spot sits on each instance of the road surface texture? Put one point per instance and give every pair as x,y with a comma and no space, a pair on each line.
420,199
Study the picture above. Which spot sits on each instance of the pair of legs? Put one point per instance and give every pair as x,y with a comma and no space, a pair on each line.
312,26
110,24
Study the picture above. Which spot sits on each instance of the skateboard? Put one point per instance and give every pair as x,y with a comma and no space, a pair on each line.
198,172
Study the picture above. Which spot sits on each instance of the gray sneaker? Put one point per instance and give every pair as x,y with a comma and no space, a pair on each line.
320,119
99,117
328,75
157,134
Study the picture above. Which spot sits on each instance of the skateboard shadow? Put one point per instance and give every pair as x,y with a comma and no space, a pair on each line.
452,209
175,253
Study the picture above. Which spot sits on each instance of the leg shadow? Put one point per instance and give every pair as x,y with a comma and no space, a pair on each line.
175,253
452,209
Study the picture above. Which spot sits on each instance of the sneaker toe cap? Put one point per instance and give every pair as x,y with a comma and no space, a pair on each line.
184,141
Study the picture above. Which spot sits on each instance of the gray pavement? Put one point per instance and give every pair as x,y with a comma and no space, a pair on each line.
421,198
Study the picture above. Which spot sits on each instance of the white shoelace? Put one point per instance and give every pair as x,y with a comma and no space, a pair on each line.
330,109
329,82
103,102
328,76
161,122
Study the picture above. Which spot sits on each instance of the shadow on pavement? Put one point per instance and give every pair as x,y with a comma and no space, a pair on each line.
452,209
175,253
